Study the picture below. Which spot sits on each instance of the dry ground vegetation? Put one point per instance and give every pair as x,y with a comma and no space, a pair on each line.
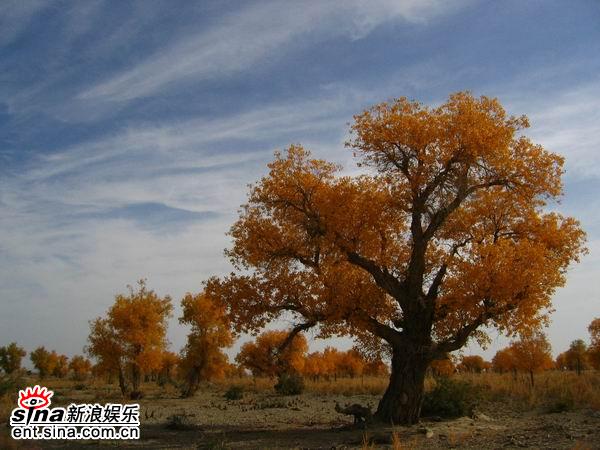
562,411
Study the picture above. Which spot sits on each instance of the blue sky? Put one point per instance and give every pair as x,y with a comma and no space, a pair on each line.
129,130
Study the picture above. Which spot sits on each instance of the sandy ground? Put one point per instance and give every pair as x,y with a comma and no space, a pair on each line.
267,421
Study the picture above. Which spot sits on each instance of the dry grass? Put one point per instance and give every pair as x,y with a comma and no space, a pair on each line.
564,390
553,389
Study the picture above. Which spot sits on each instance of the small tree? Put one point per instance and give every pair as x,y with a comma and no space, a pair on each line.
80,367
105,347
61,365
350,364
472,364
135,329
11,356
265,357
375,367
532,353
43,361
594,349
170,361
504,361
202,357
577,356
442,367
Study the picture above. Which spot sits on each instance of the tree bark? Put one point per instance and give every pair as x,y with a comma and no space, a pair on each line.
401,402
123,382
192,382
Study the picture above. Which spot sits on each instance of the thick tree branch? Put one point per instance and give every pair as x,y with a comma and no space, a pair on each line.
382,277
440,216
294,332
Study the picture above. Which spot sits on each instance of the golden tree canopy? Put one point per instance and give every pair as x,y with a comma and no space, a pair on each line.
451,226
445,233
266,357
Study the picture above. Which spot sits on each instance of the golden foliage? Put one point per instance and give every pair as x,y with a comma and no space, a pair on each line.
473,364
453,222
80,367
532,353
202,357
131,339
10,357
266,357
447,236
43,361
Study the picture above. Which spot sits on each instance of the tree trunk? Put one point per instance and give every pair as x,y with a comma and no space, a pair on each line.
123,382
401,403
136,381
192,382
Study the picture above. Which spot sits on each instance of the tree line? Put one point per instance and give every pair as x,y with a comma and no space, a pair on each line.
130,345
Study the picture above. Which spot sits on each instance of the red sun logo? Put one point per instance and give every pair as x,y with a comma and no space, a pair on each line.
35,398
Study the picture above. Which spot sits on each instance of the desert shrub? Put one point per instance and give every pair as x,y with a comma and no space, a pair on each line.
450,398
179,422
272,404
234,393
10,384
136,395
560,406
290,384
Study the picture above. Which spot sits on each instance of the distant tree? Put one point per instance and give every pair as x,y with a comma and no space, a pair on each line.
314,366
375,367
135,327
107,349
60,363
594,349
504,361
532,353
11,356
577,356
202,357
561,362
80,367
442,367
350,364
166,374
43,361
265,356
473,364
330,361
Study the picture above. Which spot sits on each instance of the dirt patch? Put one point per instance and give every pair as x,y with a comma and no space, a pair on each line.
263,420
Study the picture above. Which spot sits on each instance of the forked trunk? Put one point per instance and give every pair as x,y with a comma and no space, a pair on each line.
401,402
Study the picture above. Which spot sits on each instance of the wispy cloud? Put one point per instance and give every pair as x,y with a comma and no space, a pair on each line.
255,35
15,16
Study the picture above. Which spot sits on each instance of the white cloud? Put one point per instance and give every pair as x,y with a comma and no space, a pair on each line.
564,121
254,35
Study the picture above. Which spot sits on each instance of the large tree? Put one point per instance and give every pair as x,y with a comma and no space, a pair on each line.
444,234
